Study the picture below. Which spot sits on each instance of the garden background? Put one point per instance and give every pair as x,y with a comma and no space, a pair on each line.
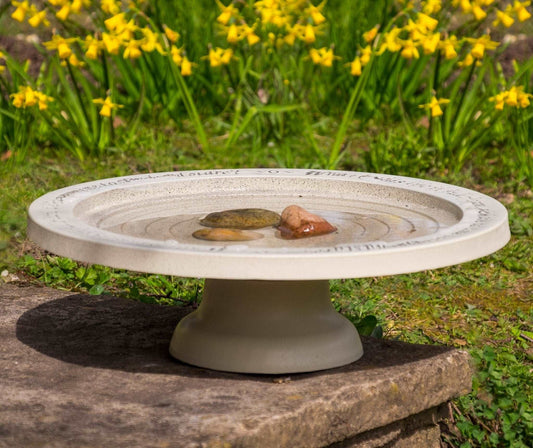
434,89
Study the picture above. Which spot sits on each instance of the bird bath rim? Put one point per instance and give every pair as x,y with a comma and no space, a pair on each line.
66,222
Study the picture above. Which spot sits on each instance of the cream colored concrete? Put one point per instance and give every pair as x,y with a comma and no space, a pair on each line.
266,327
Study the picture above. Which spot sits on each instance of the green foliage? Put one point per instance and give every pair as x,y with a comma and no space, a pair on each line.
499,411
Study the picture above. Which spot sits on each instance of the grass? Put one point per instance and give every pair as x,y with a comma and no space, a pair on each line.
482,306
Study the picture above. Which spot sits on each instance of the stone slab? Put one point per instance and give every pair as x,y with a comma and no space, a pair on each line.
94,371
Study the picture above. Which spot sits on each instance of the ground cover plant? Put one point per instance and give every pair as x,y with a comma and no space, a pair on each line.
440,90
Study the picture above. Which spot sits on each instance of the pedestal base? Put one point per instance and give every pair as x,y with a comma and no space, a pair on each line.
274,327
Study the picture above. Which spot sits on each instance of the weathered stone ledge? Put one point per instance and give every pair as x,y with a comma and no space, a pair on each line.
79,371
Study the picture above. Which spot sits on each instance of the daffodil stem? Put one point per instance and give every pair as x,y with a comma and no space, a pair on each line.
463,94
189,105
78,93
349,112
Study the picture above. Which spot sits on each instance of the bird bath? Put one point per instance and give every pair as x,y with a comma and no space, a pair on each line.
266,306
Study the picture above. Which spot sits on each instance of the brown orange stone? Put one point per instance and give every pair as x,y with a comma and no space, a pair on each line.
296,222
243,218
226,235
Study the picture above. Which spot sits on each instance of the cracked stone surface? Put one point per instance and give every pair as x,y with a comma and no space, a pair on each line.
93,371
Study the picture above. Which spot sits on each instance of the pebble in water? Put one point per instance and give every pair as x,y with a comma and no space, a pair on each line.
244,218
226,235
296,222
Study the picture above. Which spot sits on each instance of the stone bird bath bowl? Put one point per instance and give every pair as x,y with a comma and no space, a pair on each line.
266,306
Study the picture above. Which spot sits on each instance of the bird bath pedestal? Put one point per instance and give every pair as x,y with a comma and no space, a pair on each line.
266,306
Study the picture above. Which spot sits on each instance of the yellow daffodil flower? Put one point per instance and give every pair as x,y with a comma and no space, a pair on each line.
431,6
61,44
356,68
227,12
252,38
64,12
233,35
186,67
38,18
308,35
504,18
430,43
391,43
366,54
448,47
27,97
499,100
426,22
370,35
520,9
110,7
219,56
74,61
132,49
316,13
467,61
176,55
409,50
481,44
107,106
92,47
22,8
514,97
323,56
434,106
111,43
151,41
479,13
116,23
172,36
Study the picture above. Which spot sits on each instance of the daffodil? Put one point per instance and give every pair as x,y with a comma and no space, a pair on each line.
514,97
431,6
111,43
172,35
391,43
448,47
370,35
22,8
110,6
132,49
434,106
520,9
479,12
499,100
186,67
426,22
316,13
504,18
430,43
323,56
151,41
481,44
219,56
467,61
74,61
409,50
61,44
28,97
366,54
107,106
227,12
308,35
175,54
356,68
93,47
38,18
